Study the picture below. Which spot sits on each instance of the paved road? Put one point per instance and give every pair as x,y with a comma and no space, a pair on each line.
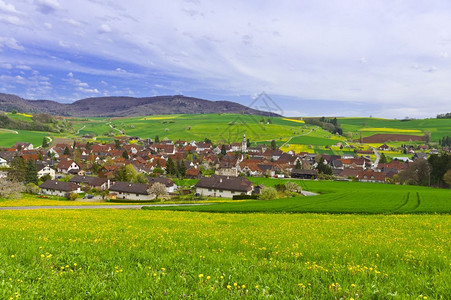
378,157
96,206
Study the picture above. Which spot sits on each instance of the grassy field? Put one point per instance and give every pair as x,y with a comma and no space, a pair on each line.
370,126
143,254
342,197
9,137
217,127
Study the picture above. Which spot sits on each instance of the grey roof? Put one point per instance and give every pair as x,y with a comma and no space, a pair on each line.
93,181
132,188
229,183
163,180
59,186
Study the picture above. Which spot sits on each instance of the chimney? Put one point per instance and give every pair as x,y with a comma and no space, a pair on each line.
220,180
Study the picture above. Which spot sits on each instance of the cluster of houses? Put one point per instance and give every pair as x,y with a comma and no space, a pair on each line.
95,165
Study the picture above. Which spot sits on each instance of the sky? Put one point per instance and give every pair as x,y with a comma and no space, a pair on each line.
312,58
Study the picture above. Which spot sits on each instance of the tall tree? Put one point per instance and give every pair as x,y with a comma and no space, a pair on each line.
181,168
223,150
66,151
273,145
45,142
117,144
31,173
170,167
157,139
18,169
125,154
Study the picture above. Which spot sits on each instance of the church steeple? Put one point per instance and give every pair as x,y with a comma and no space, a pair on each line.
244,144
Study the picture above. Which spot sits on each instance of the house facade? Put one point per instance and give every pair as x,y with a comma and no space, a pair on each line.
224,186
131,191
59,188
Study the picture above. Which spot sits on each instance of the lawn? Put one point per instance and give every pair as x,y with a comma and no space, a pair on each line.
144,254
341,197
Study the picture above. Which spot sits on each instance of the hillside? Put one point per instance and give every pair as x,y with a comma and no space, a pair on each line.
125,106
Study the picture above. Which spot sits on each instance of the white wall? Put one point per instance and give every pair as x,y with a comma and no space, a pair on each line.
129,196
218,193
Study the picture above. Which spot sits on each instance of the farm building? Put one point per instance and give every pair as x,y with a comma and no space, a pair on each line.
59,188
91,182
304,174
224,186
131,191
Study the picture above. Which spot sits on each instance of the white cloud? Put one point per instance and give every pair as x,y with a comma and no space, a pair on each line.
88,91
104,28
10,43
7,7
6,66
13,20
376,51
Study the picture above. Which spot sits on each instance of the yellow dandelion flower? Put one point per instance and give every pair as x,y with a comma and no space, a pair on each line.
201,275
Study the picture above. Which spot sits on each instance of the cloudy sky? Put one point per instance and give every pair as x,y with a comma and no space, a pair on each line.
343,58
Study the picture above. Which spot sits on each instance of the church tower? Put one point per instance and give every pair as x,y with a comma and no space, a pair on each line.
244,144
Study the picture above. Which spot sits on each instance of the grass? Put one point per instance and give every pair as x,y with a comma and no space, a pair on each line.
144,254
437,127
217,127
341,197
8,137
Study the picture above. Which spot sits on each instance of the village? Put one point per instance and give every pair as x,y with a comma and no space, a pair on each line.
143,170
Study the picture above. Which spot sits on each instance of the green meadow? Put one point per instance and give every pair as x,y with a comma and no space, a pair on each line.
341,198
437,127
134,254
8,137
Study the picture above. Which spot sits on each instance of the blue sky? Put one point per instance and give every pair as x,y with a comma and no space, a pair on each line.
335,58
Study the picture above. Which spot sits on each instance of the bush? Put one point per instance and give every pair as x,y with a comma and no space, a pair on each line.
32,188
280,187
72,196
268,193
292,187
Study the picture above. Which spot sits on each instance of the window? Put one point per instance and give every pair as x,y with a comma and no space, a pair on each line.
209,190
137,195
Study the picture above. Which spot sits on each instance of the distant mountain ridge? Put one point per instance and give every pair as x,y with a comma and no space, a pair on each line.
126,106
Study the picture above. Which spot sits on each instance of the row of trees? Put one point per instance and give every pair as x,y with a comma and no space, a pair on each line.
435,171
444,116
330,125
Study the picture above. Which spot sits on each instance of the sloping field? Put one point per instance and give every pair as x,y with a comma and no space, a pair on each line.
437,127
9,137
217,127
382,138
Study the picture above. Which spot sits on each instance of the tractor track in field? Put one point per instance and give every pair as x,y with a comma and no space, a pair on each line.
418,202
404,203
410,200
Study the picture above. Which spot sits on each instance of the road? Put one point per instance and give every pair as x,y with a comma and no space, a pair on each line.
378,157
96,206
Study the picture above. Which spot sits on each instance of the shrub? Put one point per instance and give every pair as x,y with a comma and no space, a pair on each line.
72,196
280,187
292,187
32,188
268,193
